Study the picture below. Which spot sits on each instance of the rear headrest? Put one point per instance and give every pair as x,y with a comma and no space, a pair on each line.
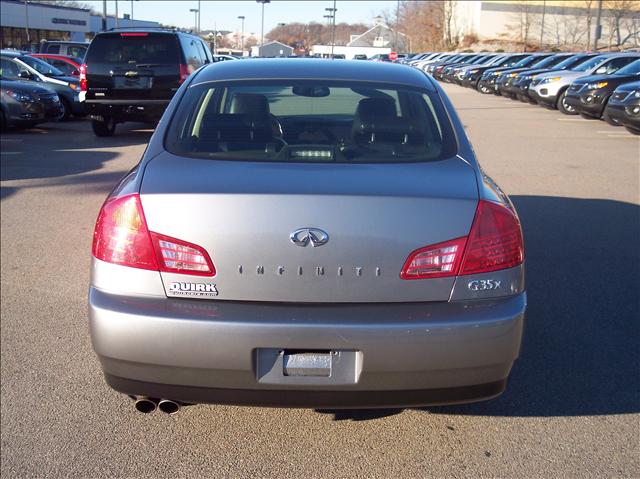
251,104
376,107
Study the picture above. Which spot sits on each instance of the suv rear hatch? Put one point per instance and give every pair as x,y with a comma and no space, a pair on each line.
133,66
375,215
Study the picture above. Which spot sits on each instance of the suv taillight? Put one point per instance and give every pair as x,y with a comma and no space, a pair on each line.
83,77
121,237
184,73
494,242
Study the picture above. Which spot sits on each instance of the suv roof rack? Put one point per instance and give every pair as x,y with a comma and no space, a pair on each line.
169,29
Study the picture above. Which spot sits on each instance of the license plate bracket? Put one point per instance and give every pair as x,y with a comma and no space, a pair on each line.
307,367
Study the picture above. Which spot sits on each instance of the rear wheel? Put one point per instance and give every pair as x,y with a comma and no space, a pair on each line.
104,127
564,107
66,110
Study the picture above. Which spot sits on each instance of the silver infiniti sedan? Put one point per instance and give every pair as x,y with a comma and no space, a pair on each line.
307,233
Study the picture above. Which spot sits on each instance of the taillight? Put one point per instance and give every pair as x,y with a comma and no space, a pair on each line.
177,256
121,236
184,73
435,261
83,77
494,242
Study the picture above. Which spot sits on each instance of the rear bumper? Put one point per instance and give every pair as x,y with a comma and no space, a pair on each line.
209,351
127,110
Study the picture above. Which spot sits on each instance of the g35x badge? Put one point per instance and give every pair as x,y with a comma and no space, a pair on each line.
483,284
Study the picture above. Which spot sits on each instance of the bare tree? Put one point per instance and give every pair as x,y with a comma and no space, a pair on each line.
623,21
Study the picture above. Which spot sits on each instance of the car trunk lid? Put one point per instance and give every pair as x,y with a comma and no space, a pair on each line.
375,215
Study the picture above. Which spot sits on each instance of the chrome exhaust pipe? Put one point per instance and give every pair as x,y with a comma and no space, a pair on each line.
168,406
145,405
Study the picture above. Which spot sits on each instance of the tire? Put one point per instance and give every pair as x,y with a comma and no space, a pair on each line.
106,127
484,89
610,120
586,116
3,121
633,131
66,110
563,107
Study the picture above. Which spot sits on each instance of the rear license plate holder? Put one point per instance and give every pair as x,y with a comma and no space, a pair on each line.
307,367
134,83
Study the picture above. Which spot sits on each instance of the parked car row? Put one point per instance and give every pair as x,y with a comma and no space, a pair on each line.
34,91
594,85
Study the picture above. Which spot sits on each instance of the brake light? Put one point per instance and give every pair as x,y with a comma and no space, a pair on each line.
134,34
184,73
177,256
121,236
494,242
83,77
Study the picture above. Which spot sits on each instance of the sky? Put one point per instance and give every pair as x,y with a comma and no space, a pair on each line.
223,15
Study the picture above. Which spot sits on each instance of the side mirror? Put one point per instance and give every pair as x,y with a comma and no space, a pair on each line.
601,70
25,74
75,73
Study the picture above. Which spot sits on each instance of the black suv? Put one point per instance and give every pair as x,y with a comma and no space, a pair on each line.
131,75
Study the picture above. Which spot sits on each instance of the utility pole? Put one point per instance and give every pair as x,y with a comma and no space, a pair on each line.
131,10
104,15
199,10
117,14
544,8
241,18
26,14
598,32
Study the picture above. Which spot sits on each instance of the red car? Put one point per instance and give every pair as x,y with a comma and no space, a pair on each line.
68,65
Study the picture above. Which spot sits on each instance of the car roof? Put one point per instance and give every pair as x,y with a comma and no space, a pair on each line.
314,69
11,53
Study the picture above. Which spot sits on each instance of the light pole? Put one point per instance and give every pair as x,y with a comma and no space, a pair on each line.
332,16
116,19
104,15
598,32
241,18
26,14
262,29
195,18
131,10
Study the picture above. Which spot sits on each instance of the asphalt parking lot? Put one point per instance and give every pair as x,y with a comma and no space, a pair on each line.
572,406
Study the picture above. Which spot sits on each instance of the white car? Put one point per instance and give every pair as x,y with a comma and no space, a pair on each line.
549,88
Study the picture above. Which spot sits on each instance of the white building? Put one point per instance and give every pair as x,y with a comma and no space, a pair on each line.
559,22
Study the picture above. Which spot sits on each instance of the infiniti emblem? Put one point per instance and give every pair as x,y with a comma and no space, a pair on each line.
304,236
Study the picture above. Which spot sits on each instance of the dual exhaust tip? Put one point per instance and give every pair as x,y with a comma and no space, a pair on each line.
147,405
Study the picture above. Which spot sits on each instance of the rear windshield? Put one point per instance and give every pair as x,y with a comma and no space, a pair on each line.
134,48
310,121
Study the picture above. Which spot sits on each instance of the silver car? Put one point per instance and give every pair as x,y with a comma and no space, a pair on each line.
307,233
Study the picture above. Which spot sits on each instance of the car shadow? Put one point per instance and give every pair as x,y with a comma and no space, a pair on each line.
581,348
62,149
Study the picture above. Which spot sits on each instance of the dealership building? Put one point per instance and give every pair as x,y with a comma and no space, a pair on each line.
28,23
